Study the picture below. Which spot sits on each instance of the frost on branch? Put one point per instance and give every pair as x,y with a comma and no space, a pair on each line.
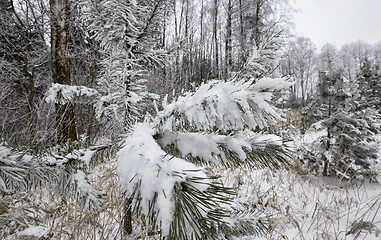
225,106
219,149
220,123
143,164
72,179
263,59
86,194
59,93
20,171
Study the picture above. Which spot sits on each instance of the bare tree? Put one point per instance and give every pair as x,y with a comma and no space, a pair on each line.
23,51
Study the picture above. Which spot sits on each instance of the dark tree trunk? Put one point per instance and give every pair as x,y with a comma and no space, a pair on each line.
215,23
257,23
229,58
127,217
66,130
242,34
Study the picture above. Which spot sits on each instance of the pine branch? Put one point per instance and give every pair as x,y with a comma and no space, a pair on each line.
256,151
62,94
198,213
21,172
244,221
73,182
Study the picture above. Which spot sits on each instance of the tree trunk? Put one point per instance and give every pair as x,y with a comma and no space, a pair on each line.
229,58
59,9
127,217
257,23
201,66
328,144
242,34
302,87
215,19
30,77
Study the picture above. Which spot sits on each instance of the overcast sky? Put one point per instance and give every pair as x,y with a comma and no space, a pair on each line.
339,21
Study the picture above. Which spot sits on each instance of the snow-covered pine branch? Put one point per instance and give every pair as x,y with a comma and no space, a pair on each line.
149,174
20,171
262,60
72,180
176,194
224,106
253,150
120,28
59,93
217,124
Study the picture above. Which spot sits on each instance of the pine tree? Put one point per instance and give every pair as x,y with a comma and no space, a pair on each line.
348,148
220,123
369,84
126,36
162,159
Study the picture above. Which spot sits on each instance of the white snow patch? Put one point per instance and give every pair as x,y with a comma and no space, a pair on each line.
142,161
59,93
37,231
227,105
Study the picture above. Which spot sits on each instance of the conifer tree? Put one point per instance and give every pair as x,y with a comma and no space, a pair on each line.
162,159
348,147
221,123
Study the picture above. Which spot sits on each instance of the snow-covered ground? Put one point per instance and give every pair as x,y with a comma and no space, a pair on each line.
306,207
302,207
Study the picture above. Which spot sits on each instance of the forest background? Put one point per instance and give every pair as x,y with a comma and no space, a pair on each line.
89,87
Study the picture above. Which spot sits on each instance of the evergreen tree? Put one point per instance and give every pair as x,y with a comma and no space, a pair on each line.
160,164
126,36
162,159
347,149
369,85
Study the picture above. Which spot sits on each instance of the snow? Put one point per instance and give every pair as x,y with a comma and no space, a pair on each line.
307,207
6,155
226,105
87,190
37,231
141,162
59,93
83,155
208,146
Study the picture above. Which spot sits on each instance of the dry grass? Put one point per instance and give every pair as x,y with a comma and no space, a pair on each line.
62,218
301,206
305,207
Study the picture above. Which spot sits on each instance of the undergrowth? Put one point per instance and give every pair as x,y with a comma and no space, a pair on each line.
306,207
300,206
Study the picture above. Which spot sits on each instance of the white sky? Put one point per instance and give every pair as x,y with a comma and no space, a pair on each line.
339,21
